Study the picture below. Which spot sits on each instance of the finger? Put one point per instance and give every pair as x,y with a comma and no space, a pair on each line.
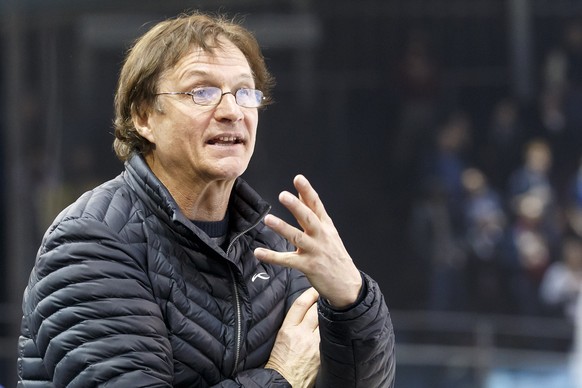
301,306
284,259
295,236
306,217
310,197
311,319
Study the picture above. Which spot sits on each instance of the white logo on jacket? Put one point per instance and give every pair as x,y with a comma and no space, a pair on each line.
260,275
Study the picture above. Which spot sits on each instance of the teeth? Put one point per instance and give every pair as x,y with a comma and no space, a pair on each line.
229,139
226,140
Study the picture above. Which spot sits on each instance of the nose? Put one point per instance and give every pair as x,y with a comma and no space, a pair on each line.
228,109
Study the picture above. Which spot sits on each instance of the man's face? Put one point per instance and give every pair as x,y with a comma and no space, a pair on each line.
197,144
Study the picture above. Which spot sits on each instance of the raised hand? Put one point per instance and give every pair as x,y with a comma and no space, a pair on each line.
320,253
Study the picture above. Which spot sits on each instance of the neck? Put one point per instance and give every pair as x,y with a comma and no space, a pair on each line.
197,198
209,203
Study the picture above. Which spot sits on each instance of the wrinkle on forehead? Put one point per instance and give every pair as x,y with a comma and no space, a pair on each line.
194,61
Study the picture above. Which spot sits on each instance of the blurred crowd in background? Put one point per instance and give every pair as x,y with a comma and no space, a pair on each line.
497,215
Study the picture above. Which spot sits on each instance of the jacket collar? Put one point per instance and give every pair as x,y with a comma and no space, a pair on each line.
246,205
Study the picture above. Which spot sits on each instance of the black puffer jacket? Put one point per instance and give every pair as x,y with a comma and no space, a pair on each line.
126,292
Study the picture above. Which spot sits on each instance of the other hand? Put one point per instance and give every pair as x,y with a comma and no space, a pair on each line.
295,354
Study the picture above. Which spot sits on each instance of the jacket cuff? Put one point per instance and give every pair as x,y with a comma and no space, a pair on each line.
359,299
369,299
262,377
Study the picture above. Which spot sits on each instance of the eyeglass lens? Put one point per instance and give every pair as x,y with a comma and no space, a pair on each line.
245,97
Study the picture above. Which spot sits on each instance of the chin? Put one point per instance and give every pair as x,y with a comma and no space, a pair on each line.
230,175
231,169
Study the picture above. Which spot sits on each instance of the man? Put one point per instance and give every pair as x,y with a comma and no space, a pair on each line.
174,273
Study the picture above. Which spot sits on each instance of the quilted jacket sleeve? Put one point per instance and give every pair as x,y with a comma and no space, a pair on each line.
90,311
357,345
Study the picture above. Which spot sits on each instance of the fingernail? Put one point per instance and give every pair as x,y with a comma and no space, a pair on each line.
285,197
271,220
301,179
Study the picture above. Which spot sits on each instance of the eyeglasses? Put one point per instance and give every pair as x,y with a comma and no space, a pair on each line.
211,96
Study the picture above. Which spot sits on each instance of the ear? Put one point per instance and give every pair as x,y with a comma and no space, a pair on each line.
142,122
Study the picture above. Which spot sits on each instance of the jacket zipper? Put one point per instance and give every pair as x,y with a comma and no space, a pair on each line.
237,295
238,322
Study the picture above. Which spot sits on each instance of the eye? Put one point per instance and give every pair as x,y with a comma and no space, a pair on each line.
244,92
206,95
250,98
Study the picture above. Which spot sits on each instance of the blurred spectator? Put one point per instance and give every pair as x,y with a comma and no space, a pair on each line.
526,254
500,154
485,222
554,85
552,113
437,241
573,202
533,204
447,160
532,177
418,89
437,218
562,282
561,97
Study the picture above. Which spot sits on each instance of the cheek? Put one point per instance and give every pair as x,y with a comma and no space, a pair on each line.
187,131
252,124
174,141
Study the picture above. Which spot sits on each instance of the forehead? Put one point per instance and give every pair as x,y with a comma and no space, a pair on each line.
224,61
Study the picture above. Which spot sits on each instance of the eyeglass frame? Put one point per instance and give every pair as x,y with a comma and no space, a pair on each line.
234,94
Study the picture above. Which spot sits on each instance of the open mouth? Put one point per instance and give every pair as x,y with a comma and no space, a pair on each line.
226,140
